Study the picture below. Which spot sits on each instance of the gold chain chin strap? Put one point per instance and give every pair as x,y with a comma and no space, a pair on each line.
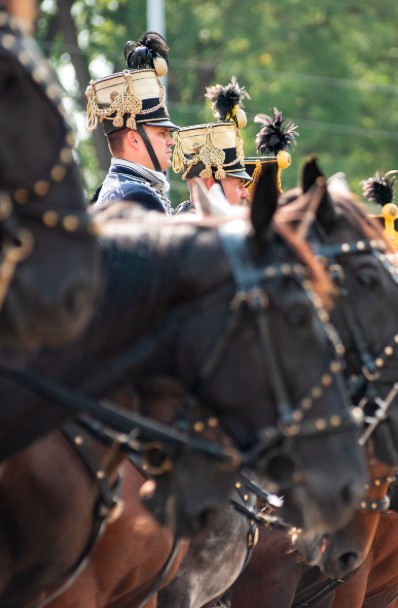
13,254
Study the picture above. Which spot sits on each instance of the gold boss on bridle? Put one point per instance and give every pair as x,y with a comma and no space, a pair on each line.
209,154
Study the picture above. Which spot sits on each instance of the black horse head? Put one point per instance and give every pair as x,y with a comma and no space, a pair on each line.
49,263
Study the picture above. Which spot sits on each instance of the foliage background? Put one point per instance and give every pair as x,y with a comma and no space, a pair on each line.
331,66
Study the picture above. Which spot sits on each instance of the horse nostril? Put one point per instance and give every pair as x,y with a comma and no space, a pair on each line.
76,300
347,495
204,519
279,468
347,561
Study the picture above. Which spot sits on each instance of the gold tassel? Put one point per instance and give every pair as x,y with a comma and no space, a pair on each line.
131,124
118,121
206,172
220,173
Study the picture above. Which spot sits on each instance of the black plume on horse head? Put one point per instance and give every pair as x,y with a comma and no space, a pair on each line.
274,136
380,188
141,54
227,98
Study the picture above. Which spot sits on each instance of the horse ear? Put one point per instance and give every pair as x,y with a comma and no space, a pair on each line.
265,199
326,212
310,173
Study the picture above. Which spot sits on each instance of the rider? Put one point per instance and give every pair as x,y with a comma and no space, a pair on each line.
214,152
132,108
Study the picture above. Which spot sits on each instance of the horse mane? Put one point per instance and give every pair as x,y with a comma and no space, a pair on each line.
358,215
294,206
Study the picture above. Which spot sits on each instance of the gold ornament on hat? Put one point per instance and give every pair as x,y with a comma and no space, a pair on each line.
123,101
273,140
160,65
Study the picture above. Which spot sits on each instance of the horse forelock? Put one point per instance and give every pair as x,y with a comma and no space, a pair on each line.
319,278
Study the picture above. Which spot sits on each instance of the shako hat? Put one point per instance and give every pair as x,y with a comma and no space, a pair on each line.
215,149
273,142
136,95
380,190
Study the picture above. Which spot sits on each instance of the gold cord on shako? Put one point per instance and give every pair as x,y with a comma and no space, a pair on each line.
128,97
214,149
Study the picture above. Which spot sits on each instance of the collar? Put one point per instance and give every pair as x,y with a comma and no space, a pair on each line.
156,178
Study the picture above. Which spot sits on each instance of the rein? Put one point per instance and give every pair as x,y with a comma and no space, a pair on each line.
327,588
127,424
250,297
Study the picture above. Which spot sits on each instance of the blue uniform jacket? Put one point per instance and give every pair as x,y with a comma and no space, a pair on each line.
124,183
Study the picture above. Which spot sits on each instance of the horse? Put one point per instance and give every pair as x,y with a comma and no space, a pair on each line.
282,571
167,311
341,232
224,549
345,550
45,298
375,583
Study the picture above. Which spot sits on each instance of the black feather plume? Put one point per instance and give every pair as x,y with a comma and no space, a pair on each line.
140,54
223,99
274,137
379,189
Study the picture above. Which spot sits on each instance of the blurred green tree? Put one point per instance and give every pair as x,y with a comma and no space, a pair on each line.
330,66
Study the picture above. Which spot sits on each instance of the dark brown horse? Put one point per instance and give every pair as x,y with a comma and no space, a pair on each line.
49,264
279,574
375,583
167,311
133,553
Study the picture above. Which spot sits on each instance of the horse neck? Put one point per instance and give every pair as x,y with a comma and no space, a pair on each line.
141,280
68,194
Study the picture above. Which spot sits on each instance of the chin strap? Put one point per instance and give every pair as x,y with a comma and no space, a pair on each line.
148,145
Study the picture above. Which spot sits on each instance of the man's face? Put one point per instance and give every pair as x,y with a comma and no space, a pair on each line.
235,191
161,140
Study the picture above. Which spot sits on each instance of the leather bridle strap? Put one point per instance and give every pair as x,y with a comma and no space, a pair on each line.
118,417
327,588
164,571
149,147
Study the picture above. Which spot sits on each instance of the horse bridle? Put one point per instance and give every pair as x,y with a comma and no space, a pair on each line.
371,365
251,297
126,427
17,203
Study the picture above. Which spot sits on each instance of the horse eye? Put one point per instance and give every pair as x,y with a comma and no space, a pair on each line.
367,279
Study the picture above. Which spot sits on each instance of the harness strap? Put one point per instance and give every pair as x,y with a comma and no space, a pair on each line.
164,571
109,500
327,588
